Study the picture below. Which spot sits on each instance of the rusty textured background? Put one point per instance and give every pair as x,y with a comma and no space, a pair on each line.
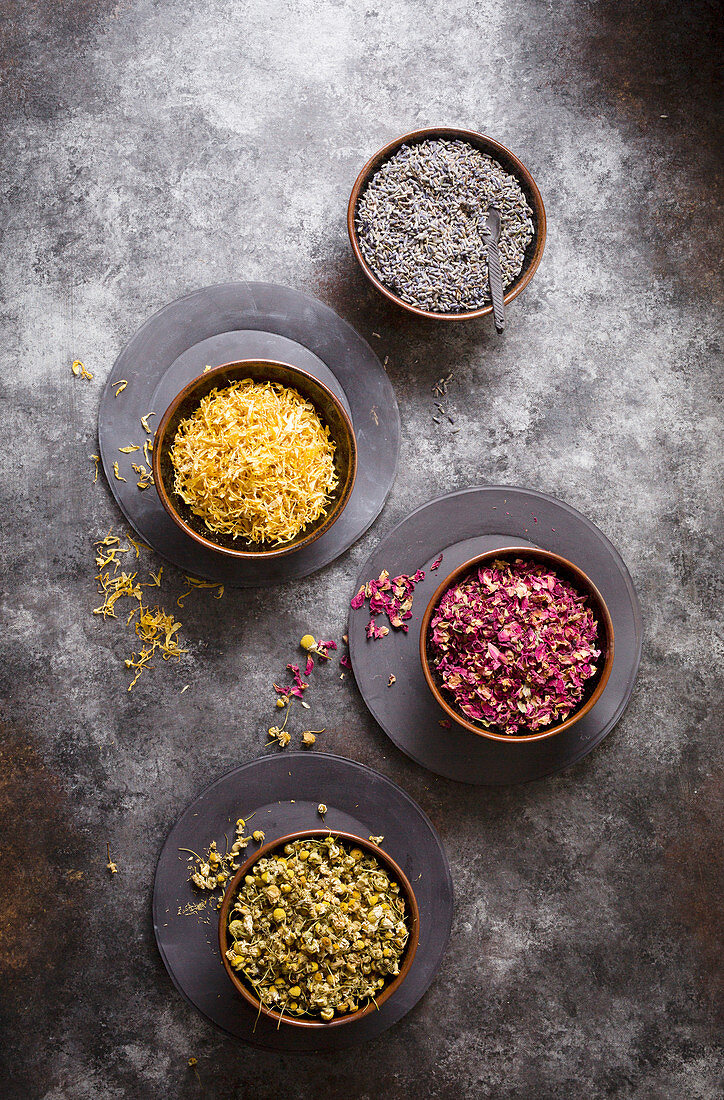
149,148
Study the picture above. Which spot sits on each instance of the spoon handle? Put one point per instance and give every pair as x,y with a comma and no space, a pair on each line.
495,278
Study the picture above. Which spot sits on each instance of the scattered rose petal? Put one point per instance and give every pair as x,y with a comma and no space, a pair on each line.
391,597
357,601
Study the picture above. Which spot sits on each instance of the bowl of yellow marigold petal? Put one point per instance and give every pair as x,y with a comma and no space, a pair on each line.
318,929
255,459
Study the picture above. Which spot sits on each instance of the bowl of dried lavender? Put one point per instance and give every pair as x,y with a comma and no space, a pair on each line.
517,644
318,929
416,220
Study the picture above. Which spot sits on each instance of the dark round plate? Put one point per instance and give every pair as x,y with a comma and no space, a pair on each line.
359,800
461,525
222,324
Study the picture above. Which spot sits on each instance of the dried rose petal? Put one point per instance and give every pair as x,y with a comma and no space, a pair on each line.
345,661
298,681
309,666
391,597
514,644
436,564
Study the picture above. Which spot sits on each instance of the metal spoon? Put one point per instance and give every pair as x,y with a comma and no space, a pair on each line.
491,234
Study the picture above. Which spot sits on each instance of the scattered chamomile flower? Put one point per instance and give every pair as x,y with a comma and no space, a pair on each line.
308,739
258,835
308,642
321,809
111,865
377,840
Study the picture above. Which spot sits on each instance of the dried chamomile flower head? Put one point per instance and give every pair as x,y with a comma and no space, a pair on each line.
280,735
376,840
321,809
317,928
111,865
308,739
258,835
212,870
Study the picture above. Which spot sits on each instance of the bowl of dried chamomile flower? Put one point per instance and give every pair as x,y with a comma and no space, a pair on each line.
318,929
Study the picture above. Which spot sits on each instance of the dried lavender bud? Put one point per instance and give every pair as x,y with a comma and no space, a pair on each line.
421,224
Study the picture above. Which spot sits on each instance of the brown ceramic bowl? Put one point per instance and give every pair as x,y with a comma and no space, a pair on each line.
390,866
583,584
512,165
330,410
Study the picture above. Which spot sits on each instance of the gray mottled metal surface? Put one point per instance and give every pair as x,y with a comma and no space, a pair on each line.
153,148
461,525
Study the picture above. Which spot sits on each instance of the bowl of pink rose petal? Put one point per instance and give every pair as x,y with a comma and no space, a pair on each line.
517,644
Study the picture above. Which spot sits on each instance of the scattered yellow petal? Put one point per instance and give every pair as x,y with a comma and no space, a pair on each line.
155,628
146,477
144,422
115,471
137,544
96,459
129,449
121,383
195,583
183,689
80,371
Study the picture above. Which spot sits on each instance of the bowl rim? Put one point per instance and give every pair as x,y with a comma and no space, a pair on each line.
587,585
372,849
493,147
208,543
